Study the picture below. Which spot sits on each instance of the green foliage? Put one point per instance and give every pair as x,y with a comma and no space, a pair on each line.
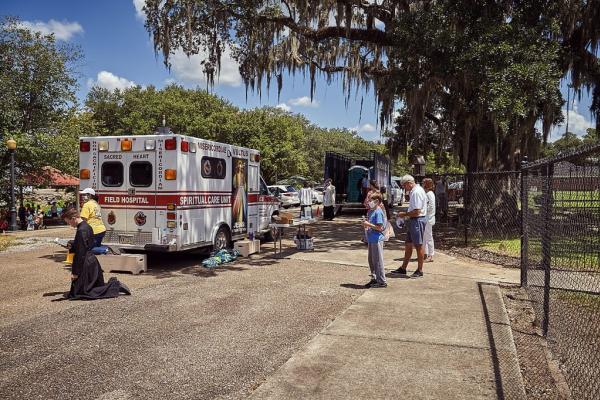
36,76
38,84
483,72
444,163
570,141
288,143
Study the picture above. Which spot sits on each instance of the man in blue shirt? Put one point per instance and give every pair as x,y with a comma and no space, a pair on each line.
375,225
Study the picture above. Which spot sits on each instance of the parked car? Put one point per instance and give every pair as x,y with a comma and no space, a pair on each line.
318,195
287,195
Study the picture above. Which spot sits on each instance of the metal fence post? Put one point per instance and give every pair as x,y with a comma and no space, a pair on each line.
547,243
466,206
524,222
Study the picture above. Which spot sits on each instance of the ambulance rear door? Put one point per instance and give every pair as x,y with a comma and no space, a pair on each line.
128,195
141,191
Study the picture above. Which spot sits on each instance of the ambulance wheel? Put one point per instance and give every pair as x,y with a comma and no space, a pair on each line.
222,239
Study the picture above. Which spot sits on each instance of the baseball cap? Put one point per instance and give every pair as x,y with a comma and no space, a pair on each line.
88,191
407,178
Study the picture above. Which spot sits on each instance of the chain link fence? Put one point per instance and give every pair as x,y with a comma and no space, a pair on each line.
544,219
478,214
560,261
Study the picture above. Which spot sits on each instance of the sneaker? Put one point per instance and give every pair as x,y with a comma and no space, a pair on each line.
378,285
417,274
371,282
401,271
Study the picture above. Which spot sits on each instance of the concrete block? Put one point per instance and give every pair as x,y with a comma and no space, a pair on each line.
247,247
134,263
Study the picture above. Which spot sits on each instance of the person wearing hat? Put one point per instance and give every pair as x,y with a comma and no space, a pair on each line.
92,214
417,219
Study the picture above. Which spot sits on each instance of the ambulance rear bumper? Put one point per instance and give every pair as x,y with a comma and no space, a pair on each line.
159,248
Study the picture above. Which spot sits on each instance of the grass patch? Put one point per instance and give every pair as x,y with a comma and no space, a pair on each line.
6,242
567,199
507,247
581,299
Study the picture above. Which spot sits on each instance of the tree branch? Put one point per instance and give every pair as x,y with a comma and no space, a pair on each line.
374,36
374,71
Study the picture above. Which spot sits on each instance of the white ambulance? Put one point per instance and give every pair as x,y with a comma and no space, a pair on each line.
170,192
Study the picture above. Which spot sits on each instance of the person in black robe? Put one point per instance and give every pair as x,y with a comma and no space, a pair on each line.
87,280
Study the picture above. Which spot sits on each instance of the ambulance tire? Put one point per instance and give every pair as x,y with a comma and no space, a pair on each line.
222,239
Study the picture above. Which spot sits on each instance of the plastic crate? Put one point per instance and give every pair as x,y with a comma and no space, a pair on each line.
304,244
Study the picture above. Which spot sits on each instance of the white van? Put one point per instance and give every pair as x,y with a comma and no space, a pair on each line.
169,192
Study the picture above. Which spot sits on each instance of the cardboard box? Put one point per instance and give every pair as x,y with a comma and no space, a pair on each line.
247,247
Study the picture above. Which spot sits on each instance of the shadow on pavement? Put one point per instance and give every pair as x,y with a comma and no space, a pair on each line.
353,286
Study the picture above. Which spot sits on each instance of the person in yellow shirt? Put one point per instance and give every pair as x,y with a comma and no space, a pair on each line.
92,214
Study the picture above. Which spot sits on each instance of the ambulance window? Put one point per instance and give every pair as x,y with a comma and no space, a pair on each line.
263,187
213,168
112,174
140,173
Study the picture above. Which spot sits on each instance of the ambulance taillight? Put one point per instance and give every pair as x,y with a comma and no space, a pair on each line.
171,144
84,147
84,174
185,146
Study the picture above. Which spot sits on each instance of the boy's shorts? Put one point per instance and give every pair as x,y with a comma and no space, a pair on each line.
416,230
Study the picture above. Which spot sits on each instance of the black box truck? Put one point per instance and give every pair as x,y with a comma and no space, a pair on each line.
346,173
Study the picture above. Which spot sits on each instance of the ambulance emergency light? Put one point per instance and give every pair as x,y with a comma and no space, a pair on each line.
149,144
126,145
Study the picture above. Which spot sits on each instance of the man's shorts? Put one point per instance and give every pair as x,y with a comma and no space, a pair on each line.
416,230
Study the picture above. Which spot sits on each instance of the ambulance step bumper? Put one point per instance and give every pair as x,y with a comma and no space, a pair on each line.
159,248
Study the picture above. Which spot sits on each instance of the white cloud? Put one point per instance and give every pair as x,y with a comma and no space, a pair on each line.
365,128
283,107
303,101
139,12
578,124
190,69
110,81
62,30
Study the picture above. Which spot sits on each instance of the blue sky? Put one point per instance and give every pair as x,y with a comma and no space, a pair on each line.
118,52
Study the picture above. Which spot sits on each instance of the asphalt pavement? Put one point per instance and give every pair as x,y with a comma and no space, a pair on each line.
300,327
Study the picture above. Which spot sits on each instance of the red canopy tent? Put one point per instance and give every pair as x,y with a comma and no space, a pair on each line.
51,177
